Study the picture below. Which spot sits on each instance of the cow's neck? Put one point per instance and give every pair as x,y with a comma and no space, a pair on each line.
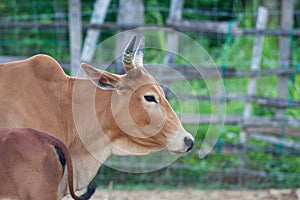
89,146
96,132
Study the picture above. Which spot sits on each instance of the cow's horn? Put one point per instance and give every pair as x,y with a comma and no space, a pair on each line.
127,55
139,53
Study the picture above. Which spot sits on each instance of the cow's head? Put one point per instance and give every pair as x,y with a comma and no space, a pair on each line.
141,119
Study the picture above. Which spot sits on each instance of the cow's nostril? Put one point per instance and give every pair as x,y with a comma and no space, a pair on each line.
189,143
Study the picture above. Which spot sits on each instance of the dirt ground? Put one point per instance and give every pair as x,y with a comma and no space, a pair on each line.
191,194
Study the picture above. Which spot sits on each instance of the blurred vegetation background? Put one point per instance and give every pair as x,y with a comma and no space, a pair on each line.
263,168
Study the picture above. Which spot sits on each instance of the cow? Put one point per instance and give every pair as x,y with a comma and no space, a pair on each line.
32,165
131,110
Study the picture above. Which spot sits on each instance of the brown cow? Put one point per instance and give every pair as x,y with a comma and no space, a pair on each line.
32,165
131,110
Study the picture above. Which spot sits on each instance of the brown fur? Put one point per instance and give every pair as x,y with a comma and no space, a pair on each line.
36,93
30,166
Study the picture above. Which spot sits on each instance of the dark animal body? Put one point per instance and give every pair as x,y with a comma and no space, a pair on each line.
32,166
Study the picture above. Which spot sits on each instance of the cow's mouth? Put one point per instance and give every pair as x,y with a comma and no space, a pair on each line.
177,153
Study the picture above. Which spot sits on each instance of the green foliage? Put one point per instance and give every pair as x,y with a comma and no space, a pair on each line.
294,89
152,16
215,171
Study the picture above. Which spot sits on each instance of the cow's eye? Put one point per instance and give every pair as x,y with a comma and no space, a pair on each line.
150,98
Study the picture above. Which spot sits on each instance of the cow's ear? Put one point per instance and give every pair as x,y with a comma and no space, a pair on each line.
102,79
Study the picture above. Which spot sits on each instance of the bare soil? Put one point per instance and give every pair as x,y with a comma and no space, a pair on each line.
192,194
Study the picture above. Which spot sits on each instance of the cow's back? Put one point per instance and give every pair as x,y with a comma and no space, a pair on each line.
41,68
32,93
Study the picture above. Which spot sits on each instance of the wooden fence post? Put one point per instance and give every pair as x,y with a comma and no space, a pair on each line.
75,34
261,21
90,42
262,17
130,12
175,15
286,22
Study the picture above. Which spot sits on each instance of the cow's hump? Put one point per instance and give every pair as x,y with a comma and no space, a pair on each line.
46,68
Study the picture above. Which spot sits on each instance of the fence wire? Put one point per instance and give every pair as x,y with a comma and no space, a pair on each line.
266,165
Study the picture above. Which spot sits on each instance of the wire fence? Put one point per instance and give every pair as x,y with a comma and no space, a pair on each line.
227,30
